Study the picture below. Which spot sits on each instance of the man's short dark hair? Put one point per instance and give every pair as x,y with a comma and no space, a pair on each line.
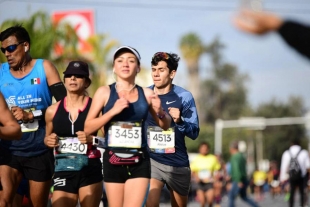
18,31
204,143
234,145
295,141
171,59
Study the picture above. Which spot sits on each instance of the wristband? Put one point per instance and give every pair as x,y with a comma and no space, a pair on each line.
161,116
37,114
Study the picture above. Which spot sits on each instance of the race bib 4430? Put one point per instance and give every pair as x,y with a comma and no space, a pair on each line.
125,134
71,145
161,141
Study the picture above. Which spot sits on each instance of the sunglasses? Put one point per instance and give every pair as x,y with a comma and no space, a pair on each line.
10,48
77,76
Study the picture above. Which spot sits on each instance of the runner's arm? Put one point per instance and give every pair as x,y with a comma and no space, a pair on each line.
93,121
9,128
297,36
189,124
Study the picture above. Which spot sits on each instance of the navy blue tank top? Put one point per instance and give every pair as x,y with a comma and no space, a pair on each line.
137,111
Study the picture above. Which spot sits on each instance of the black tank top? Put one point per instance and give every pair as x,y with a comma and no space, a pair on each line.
62,125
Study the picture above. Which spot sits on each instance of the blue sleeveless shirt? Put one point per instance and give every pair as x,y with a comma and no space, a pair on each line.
137,111
28,92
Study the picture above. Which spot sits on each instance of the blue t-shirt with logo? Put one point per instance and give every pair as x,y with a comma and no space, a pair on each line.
182,99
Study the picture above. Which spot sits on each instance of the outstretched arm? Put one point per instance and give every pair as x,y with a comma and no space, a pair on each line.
294,34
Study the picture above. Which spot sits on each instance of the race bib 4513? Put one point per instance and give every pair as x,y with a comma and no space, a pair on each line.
161,141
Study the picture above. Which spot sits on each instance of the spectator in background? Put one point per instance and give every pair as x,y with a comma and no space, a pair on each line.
302,156
259,180
238,177
294,34
273,179
204,168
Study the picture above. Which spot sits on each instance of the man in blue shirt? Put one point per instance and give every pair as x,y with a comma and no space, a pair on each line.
27,85
169,158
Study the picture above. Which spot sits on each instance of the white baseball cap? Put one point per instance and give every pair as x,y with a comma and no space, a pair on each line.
133,50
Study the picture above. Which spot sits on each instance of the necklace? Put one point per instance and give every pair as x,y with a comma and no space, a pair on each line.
125,89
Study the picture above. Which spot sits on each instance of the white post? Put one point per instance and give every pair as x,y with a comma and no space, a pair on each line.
218,136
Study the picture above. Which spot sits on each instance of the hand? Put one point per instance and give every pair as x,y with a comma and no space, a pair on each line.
175,114
51,140
240,184
83,138
20,114
156,103
119,105
257,22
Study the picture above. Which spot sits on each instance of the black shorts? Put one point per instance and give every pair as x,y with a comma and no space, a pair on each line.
37,168
23,188
121,173
72,181
205,186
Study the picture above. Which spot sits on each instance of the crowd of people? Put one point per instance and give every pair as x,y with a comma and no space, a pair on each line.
46,144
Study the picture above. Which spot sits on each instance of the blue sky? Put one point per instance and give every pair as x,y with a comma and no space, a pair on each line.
275,70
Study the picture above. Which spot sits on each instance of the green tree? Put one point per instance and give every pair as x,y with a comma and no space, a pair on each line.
225,94
45,35
192,48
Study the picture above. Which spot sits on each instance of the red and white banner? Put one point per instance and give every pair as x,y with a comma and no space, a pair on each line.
83,23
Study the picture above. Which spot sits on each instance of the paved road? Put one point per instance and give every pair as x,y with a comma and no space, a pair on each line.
267,202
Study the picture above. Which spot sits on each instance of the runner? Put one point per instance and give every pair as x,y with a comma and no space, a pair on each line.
27,85
125,106
78,167
204,168
169,158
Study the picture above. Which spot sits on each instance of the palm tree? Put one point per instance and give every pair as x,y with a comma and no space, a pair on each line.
192,48
46,36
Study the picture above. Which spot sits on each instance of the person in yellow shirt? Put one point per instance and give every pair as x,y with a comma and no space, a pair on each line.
259,180
204,167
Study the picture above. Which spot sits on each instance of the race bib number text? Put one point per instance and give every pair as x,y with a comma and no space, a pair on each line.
71,145
125,134
161,141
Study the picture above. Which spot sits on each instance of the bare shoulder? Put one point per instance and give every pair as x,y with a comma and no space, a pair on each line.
49,66
102,94
51,72
51,110
148,92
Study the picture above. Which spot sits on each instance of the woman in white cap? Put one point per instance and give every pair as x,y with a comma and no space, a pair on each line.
78,169
125,106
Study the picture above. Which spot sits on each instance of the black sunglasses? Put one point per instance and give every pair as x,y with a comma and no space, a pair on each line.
77,76
10,48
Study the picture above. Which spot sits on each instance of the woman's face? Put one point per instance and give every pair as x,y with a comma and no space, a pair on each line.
75,83
126,65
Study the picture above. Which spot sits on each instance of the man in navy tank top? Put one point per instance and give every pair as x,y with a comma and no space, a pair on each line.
27,85
169,158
